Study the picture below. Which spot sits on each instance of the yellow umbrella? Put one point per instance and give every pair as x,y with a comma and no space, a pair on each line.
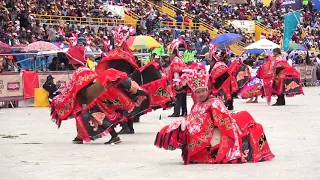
142,42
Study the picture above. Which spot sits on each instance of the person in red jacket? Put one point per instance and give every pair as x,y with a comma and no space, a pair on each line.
174,71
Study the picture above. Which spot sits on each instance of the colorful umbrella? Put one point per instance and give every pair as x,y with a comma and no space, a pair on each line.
18,46
296,46
226,40
142,42
40,46
4,46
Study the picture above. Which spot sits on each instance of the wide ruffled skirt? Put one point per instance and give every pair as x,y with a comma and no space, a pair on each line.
254,146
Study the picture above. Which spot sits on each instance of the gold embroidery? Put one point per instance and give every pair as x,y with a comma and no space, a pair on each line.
203,137
122,101
85,78
120,53
197,82
66,107
162,100
225,121
262,141
161,92
110,102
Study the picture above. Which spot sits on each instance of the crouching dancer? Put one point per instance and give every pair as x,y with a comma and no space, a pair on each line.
210,134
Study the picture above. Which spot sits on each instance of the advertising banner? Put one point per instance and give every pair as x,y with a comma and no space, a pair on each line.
118,10
11,86
294,4
305,72
60,78
246,26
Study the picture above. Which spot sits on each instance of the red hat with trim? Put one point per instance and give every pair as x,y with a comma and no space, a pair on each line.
76,55
196,77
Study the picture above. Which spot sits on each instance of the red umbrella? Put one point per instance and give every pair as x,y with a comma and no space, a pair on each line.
18,46
40,46
4,46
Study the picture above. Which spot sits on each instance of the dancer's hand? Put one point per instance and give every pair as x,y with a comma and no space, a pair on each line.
84,107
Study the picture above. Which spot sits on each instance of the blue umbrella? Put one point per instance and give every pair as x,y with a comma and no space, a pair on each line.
255,51
225,40
296,46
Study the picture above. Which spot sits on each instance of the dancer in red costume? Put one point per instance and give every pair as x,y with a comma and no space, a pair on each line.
148,76
279,78
67,104
241,73
210,134
98,105
222,82
174,71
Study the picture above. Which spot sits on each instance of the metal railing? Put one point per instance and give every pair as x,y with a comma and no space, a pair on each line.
132,14
264,27
237,48
53,19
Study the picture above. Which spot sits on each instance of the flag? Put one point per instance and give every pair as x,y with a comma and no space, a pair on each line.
290,25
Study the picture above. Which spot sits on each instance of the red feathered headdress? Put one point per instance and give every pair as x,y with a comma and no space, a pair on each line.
76,55
175,45
121,34
196,77
212,50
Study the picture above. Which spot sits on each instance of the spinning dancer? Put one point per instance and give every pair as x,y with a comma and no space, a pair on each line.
222,82
97,102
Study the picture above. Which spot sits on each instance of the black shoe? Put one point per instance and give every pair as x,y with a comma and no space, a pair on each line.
77,141
126,131
183,114
277,104
136,119
230,108
115,140
174,115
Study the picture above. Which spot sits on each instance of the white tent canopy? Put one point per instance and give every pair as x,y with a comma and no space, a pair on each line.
263,44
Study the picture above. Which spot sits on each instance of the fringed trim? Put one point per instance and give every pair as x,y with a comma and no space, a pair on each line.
268,157
293,94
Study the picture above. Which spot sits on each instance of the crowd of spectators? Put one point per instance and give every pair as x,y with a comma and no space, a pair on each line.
18,27
272,17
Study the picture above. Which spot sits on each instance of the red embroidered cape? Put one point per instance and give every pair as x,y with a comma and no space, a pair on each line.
275,83
229,85
66,103
242,77
116,54
161,91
